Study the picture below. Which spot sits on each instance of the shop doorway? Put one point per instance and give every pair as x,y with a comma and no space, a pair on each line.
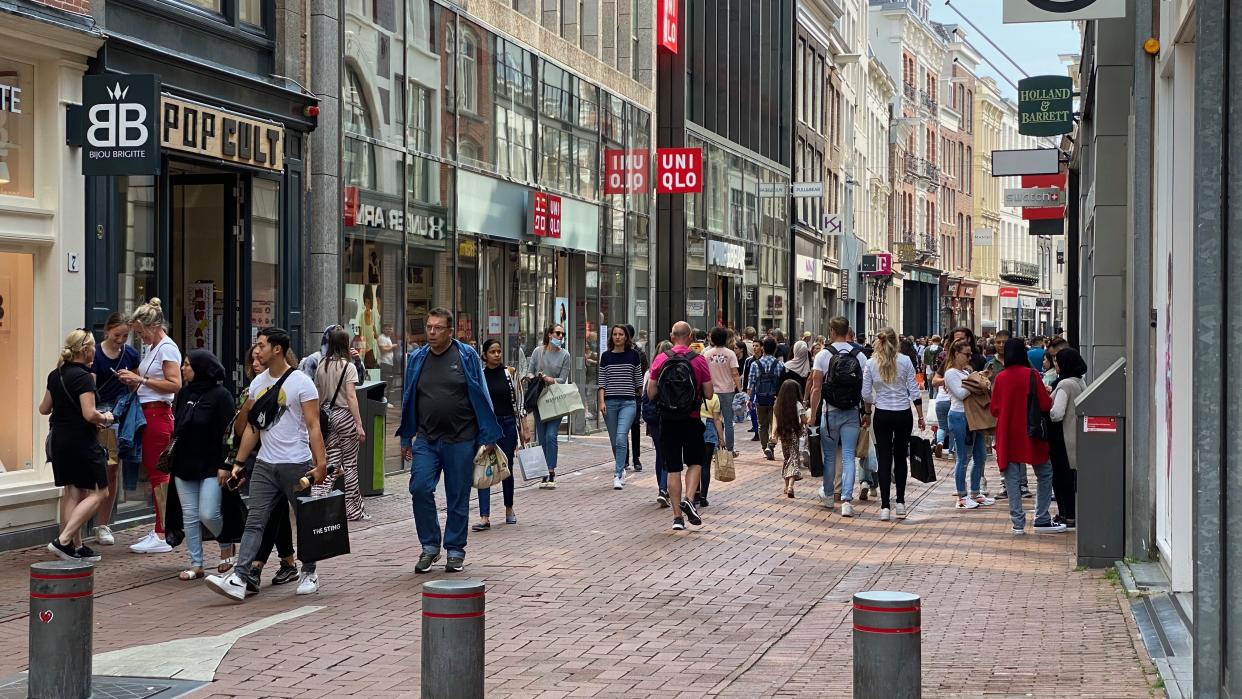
498,291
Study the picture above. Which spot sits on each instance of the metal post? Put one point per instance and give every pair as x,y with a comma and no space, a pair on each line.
453,635
62,608
888,656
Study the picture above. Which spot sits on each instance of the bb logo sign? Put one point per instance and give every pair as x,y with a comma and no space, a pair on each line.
120,113
679,170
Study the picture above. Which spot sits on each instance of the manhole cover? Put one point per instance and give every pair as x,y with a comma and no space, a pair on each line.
111,687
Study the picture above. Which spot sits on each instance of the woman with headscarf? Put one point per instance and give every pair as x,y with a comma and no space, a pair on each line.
204,409
1070,369
1011,390
799,367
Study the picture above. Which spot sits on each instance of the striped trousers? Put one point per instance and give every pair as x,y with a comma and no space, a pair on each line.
342,446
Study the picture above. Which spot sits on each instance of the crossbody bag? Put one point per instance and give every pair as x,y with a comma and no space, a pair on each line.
325,414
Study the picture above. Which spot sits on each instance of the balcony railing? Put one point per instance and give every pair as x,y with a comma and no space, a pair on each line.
929,102
915,247
1019,272
921,168
911,91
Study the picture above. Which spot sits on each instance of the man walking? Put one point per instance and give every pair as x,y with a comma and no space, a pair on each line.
837,378
446,413
726,381
285,408
680,381
764,381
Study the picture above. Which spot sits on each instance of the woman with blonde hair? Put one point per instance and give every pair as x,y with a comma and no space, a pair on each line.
157,382
888,389
79,461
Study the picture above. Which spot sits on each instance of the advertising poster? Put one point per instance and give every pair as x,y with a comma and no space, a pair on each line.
199,316
362,307
560,312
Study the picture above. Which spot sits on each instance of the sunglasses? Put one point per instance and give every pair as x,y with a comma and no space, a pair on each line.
559,333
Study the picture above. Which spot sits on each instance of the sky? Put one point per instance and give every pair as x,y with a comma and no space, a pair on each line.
1035,46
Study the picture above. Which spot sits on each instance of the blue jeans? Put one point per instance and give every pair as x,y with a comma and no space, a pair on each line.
456,461
978,449
507,444
1043,493
839,428
726,409
200,503
546,433
754,418
619,416
942,419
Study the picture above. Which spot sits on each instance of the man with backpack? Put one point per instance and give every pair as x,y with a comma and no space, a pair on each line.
837,378
764,381
930,355
680,381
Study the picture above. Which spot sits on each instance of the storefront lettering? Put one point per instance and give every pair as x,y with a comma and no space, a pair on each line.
195,128
422,225
10,99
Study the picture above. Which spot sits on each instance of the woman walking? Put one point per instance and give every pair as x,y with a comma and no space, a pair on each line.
79,463
889,387
726,381
1063,443
756,351
335,380
157,382
502,386
787,428
549,363
798,368
204,409
620,371
111,355
713,437
1011,391
967,444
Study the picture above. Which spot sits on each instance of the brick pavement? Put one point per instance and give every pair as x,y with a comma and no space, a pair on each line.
592,595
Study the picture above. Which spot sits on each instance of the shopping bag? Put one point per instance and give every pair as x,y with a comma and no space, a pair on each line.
559,400
532,462
864,442
724,466
233,513
169,504
922,464
739,407
490,467
323,531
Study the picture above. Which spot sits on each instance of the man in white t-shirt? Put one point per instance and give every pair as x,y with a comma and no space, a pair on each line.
291,441
840,424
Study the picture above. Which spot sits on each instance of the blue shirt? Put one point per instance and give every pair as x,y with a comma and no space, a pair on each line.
476,389
1035,356
108,387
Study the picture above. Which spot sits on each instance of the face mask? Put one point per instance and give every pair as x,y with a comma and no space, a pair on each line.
557,342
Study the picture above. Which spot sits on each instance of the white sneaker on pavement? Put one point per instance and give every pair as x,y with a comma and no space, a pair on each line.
824,499
103,535
618,483
308,583
847,509
966,504
901,510
151,544
983,500
229,586
884,514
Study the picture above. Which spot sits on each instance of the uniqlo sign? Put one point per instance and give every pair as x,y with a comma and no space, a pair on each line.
546,215
625,171
679,170
668,24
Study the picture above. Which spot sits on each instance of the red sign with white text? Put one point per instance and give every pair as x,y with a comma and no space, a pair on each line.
1092,423
546,215
1008,292
1039,181
350,208
883,264
625,171
679,170
669,24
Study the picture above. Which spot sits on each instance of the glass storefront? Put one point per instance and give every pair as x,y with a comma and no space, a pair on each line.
17,340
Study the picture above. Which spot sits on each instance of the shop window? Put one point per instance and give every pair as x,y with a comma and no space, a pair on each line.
359,155
17,105
264,254
18,377
468,72
429,257
137,275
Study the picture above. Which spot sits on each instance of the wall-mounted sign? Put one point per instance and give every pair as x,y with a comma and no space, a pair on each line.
669,26
833,224
808,268
1042,197
1043,302
1046,105
876,264
807,189
679,170
545,215
728,256
1008,292
984,237
196,128
696,308
119,115
1017,11
1092,423
625,171
1031,161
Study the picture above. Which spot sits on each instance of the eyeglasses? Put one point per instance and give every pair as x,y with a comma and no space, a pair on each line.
437,328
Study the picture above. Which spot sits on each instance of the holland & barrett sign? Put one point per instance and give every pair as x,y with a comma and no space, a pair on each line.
1045,105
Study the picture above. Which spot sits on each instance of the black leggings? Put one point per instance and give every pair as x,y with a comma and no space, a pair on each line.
636,434
892,446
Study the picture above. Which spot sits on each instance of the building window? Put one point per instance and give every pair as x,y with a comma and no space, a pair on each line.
17,130
468,72
359,154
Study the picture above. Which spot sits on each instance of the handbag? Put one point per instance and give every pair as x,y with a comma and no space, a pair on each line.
534,388
558,400
1036,420
323,529
724,466
491,467
233,513
922,465
864,443
325,414
532,462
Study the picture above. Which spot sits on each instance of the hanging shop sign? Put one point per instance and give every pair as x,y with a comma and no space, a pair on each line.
545,215
1046,105
625,171
679,170
1053,210
1030,161
120,135
878,264
984,237
1018,11
808,269
195,128
833,224
728,256
669,26
1038,197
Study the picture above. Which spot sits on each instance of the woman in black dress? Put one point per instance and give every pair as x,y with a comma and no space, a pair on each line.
79,462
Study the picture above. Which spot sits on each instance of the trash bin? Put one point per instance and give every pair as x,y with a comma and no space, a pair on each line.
373,406
1102,469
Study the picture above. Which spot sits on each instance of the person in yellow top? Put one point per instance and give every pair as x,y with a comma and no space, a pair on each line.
714,427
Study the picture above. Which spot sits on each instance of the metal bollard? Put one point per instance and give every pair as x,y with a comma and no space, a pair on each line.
888,655
62,609
453,630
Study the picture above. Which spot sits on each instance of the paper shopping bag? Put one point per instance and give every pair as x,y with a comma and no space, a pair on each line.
922,465
532,462
558,400
323,531
724,466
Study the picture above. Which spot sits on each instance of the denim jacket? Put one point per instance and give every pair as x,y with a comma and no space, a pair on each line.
129,424
480,400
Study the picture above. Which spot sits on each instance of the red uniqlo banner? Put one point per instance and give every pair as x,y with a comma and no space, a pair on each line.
351,206
679,170
1059,181
668,24
625,171
546,215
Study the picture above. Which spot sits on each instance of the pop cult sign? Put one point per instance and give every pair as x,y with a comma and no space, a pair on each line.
120,120
1046,105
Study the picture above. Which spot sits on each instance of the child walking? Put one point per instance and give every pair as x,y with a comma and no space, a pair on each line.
787,428
713,424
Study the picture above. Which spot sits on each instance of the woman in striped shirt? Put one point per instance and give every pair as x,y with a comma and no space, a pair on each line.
620,380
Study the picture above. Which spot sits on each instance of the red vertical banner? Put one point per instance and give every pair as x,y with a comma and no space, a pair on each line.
625,171
554,216
350,207
679,170
539,215
669,25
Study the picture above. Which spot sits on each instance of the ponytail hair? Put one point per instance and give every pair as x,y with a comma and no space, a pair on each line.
149,314
886,354
77,341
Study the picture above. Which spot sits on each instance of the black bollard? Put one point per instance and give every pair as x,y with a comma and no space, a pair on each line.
888,660
62,609
453,636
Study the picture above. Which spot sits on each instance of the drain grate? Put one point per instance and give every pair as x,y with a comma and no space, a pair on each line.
111,687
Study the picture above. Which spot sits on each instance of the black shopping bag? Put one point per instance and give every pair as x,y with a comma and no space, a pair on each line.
233,513
922,466
323,531
816,448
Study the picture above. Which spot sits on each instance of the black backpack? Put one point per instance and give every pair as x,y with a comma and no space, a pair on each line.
843,382
679,393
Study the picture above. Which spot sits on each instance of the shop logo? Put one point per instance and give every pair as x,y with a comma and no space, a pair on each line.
117,125
120,125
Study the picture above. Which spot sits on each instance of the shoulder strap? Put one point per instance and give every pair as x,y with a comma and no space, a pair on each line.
339,381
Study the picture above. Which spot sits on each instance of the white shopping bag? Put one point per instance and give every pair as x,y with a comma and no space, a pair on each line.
532,462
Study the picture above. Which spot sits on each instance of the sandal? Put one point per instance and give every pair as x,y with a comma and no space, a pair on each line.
226,564
510,519
191,574
481,527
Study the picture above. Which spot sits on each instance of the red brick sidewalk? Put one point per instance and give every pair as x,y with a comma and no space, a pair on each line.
593,595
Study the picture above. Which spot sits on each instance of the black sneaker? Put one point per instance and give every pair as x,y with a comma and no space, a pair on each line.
1004,494
662,498
755,438
425,562
66,552
86,553
455,564
862,491
770,453
702,502
691,512
679,523
287,574
638,466
1026,493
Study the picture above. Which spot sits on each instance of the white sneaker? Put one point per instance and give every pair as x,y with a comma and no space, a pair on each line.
983,500
884,514
618,483
229,586
824,499
847,509
966,504
901,510
103,535
151,544
308,583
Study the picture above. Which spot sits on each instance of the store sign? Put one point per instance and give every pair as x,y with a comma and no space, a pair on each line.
833,224
17,128
1043,303
625,171
1030,161
984,237
669,26
545,215
877,264
1092,423
1054,209
1018,11
119,117
807,189
1008,292
1046,105
215,133
679,170
808,268
1042,197
728,256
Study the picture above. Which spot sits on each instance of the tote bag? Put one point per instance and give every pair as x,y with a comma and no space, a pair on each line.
558,400
323,531
490,467
532,462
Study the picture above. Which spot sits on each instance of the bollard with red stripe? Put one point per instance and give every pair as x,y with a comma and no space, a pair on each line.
888,655
453,635
62,607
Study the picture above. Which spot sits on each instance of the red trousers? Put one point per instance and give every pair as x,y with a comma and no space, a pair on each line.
155,437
